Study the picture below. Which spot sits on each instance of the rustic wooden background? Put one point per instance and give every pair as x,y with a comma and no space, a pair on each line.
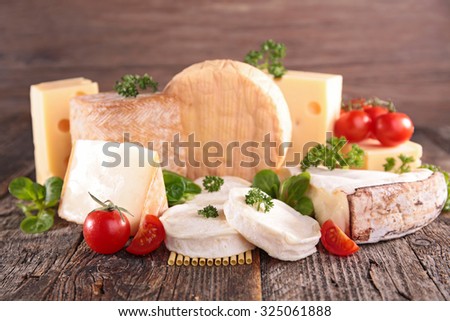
392,49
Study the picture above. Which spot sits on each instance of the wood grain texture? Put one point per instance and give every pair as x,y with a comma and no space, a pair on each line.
396,50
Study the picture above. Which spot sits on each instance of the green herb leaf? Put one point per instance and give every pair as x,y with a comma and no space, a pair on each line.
389,165
127,86
208,212
331,156
406,160
269,58
259,200
23,189
179,189
37,224
305,206
212,183
435,168
53,188
267,181
293,188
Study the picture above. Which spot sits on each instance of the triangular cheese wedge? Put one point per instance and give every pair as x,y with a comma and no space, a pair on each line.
126,174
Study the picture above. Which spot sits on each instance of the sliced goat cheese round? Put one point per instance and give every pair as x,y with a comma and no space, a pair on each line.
282,232
194,235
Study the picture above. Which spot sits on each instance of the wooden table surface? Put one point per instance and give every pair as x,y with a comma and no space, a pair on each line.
397,50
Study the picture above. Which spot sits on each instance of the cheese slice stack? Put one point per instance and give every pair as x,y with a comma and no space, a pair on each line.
230,107
126,174
371,206
152,120
193,235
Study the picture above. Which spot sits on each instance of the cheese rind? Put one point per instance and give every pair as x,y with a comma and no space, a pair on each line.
126,174
50,113
228,104
152,120
375,154
314,101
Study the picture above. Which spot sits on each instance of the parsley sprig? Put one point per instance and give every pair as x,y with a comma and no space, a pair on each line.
269,58
404,167
212,183
208,212
128,85
331,156
259,200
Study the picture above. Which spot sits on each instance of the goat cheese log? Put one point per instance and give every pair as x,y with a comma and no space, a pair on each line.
372,206
230,108
146,119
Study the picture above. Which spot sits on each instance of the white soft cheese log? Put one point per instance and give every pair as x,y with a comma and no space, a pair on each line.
371,206
135,182
191,234
228,103
282,232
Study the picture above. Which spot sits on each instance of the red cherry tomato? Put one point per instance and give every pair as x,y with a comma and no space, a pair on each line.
392,129
374,113
106,232
149,236
335,241
354,126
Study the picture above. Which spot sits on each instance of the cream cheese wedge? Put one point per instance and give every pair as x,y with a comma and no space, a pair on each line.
191,234
282,232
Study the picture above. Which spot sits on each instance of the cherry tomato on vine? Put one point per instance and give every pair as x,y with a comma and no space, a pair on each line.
354,125
392,129
106,231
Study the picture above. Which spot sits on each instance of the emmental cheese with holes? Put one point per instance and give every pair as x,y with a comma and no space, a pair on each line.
230,107
152,120
51,126
126,174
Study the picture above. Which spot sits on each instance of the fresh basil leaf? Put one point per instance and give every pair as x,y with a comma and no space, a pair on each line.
53,188
175,190
37,224
267,181
192,188
305,206
22,188
179,188
294,187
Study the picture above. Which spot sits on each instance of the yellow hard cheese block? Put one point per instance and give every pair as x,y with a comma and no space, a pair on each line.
50,112
376,154
314,101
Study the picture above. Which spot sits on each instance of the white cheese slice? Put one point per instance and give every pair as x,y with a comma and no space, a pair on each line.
372,205
194,235
282,232
134,183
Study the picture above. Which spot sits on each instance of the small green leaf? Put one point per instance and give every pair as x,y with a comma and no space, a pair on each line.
178,188
39,192
267,181
53,187
305,206
37,224
294,187
23,189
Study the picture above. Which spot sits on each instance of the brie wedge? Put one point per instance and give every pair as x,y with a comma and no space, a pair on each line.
193,235
282,232
371,206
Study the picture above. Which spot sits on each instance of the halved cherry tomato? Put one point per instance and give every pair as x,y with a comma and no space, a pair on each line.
149,236
392,129
106,231
354,125
335,241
